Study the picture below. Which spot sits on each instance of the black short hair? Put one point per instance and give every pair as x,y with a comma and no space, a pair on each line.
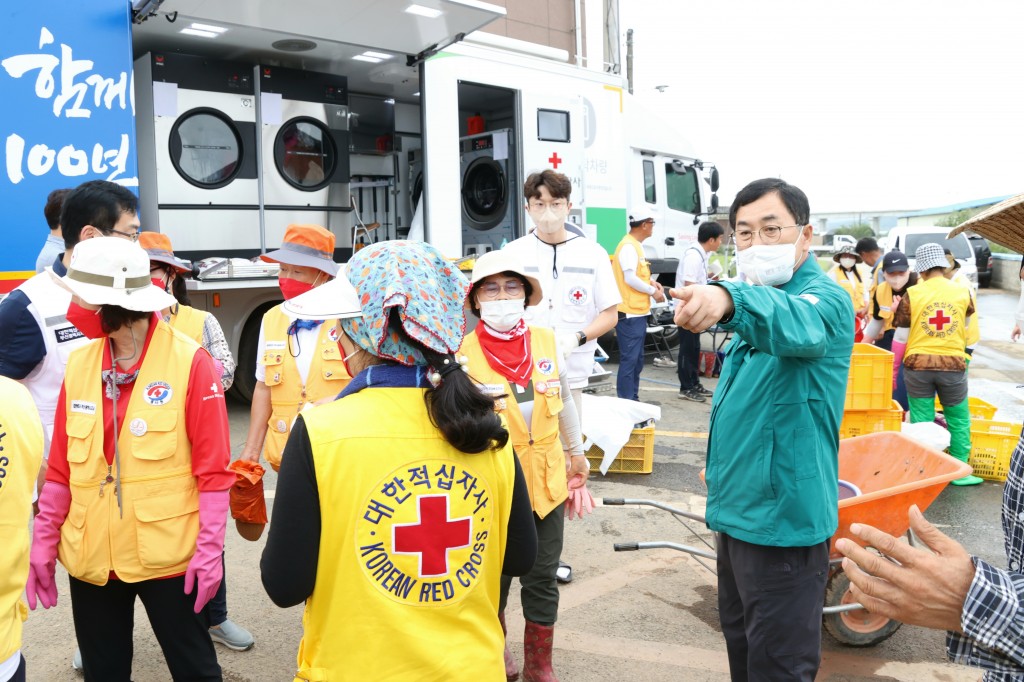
99,203
866,244
54,204
792,196
708,231
559,185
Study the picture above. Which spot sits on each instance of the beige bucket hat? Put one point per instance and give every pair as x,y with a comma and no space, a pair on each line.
113,271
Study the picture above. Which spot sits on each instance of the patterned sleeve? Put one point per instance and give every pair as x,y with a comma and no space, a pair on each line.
993,623
217,345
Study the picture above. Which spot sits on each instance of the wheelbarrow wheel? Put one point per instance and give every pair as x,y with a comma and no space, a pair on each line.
854,628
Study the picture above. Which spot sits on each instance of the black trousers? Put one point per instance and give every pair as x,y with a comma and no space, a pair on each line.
769,603
105,617
19,674
539,593
689,358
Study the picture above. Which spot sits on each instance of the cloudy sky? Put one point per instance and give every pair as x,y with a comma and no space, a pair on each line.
865,105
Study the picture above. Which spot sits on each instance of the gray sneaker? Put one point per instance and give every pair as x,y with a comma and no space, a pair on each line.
693,394
663,362
233,636
705,391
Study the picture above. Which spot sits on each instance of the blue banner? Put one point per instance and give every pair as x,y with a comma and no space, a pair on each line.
67,112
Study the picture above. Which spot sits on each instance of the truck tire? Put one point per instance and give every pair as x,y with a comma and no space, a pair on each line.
854,628
245,373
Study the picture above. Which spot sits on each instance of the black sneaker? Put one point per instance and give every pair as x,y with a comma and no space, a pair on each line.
692,394
704,391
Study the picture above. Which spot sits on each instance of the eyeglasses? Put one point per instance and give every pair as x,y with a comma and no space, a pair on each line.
769,234
132,236
557,204
512,287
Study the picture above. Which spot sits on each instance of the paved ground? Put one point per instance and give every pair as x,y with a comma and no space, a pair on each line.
627,616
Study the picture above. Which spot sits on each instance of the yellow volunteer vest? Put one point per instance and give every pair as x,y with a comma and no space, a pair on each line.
156,536
937,311
189,322
973,332
883,297
412,542
21,437
327,377
633,302
854,289
538,448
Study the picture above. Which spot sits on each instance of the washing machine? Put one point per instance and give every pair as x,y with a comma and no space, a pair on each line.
305,135
490,202
196,126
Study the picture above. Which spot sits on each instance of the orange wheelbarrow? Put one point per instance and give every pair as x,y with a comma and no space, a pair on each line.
883,474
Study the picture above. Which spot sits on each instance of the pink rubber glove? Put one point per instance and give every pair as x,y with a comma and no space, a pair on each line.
580,501
205,570
54,503
898,349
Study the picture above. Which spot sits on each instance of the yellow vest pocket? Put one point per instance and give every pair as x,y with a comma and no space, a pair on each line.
167,528
79,430
154,433
72,537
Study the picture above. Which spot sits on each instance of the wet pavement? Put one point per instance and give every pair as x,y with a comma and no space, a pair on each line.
648,615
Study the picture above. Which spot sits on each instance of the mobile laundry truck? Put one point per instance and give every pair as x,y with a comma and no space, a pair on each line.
233,119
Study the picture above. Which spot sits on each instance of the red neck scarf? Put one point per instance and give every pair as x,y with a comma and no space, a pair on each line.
508,353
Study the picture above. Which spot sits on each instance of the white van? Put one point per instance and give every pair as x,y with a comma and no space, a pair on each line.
907,239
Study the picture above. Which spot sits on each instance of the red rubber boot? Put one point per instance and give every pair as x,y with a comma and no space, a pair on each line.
538,643
511,669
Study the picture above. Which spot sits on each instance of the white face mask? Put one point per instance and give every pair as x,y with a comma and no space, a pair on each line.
898,281
550,220
502,315
767,265
848,263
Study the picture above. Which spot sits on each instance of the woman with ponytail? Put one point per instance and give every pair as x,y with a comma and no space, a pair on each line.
400,504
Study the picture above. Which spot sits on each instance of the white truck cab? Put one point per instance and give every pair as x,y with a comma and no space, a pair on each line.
908,239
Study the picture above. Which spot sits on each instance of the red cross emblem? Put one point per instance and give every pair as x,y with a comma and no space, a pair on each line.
554,160
577,294
432,536
939,319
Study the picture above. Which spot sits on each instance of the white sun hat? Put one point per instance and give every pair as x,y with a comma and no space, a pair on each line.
113,271
335,299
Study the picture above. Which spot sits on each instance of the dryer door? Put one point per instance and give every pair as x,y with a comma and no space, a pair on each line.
484,191
304,154
206,148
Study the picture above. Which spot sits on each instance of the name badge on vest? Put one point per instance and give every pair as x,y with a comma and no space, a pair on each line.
83,407
525,394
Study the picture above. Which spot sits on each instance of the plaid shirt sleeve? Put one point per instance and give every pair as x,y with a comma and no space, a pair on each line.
993,624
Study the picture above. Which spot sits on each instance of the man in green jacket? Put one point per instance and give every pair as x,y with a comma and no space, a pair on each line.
773,442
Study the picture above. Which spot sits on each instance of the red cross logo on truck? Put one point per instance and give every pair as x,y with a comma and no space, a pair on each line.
554,160
432,536
939,319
